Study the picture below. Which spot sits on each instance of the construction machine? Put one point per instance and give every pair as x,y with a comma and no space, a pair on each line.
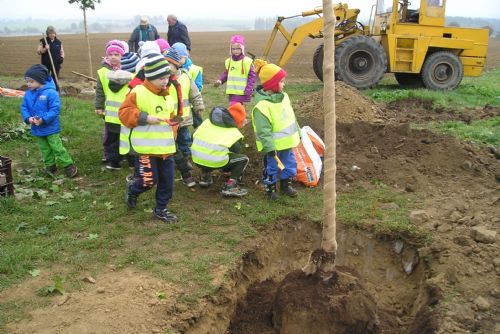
408,40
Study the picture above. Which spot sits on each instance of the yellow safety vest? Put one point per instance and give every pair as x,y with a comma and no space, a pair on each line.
150,138
211,144
113,100
194,70
236,80
283,122
185,82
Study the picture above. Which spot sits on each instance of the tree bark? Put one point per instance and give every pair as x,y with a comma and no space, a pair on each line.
88,41
324,259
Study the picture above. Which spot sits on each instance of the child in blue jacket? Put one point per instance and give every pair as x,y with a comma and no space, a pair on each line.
40,108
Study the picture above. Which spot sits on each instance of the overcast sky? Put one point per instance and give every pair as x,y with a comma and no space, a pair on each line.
236,9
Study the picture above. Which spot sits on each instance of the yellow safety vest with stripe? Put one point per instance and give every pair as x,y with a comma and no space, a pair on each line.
194,70
150,138
185,82
237,75
211,144
283,122
113,100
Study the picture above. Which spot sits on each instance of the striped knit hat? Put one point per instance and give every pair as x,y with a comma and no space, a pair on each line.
129,60
156,67
172,56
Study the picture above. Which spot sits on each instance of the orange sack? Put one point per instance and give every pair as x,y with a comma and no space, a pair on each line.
308,156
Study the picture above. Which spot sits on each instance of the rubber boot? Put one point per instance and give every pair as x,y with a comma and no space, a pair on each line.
287,189
272,192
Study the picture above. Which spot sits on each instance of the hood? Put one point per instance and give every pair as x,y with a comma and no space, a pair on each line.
188,63
49,84
261,95
220,116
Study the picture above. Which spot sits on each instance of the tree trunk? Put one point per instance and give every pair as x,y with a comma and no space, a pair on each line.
88,41
324,259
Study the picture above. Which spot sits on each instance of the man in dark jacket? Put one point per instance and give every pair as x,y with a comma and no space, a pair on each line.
143,32
177,32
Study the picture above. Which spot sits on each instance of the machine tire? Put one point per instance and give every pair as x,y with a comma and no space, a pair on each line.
413,80
366,50
442,70
318,62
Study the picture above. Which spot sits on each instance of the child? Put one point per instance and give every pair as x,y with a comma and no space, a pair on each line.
108,98
162,44
129,59
190,96
145,114
276,130
194,71
40,108
216,144
239,74
56,51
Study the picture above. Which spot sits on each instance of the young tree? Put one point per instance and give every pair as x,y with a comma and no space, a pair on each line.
323,259
84,5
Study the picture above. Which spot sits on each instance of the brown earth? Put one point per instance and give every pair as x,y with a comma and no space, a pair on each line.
453,285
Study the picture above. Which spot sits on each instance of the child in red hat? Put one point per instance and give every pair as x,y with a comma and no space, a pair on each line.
276,130
239,74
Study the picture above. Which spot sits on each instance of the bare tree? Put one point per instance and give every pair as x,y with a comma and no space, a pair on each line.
84,5
323,259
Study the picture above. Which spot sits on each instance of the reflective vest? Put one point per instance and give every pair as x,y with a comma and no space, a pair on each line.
185,82
237,75
211,144
149,138
113,100
194,70
283,122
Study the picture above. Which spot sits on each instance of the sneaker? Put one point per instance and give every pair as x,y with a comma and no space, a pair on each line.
271,192
165,215
206,180
71,171
130,178
287,189
111,165
231,189
189,181
130,198
49,170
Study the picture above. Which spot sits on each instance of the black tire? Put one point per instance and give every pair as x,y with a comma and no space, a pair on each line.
318,62
442,70
413,80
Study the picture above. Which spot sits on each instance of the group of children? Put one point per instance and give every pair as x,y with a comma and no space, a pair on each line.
149,101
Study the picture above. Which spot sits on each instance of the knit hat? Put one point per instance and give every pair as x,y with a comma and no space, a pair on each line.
238,41
147,48
115,46
37,72
172,56
129,60
125,46
156,67
238,113
269,74
163,44
181,49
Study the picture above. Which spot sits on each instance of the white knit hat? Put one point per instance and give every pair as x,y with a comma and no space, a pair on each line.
147,48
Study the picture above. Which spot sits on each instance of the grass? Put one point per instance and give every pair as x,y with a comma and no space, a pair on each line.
72,227
472,92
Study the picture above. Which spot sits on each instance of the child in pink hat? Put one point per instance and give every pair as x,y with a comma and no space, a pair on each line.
239,74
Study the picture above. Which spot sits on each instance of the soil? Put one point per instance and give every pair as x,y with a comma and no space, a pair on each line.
453,284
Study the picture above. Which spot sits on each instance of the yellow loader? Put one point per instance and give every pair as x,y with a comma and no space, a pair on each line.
408,40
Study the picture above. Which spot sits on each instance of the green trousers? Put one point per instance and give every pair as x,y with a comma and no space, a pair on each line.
53,151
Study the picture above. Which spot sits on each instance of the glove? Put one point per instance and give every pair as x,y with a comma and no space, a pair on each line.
271,154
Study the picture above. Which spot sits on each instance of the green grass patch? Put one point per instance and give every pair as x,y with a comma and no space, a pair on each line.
472,92
485,131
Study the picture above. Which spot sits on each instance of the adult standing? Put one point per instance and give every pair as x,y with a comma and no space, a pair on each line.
56,51
143,32
177,32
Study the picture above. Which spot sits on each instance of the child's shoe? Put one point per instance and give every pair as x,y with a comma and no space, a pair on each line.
164,215
287,189
49,170
189,181
71,171
271,192
231,189
206,180
113,165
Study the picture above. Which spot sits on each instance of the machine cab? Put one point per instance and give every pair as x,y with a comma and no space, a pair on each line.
393,12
